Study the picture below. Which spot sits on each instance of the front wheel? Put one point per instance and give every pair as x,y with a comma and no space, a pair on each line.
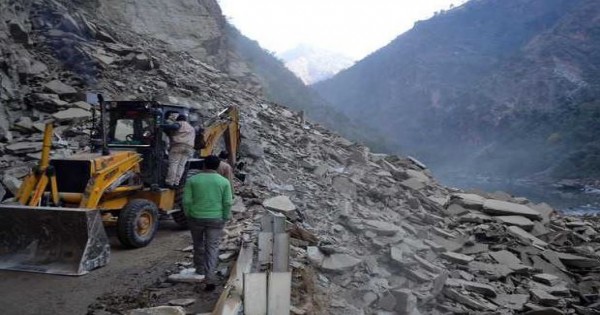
137,223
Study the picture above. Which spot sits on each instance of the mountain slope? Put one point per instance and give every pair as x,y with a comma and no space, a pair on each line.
280,85
369,233
464,82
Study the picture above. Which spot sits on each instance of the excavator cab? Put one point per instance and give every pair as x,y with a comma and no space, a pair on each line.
56,224
136,126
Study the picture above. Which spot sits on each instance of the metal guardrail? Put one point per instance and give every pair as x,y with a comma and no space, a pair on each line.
267,291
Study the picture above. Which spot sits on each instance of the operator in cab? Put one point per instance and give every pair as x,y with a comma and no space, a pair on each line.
181,142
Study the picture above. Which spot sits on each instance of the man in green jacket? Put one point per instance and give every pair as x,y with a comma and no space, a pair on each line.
207,204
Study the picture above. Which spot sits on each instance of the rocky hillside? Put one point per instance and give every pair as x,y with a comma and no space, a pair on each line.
377,233
497,86
312,64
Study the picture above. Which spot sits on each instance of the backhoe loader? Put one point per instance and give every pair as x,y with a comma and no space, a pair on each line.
57,222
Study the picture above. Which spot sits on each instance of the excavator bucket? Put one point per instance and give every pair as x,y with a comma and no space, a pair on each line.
52,240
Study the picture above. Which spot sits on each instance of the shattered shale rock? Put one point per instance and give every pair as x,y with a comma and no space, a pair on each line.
72,115
457,258
406,302
59,88
512,301
24,147
471,300
517,220
526,237
497,207
470,201
544,298
339,262
382,228
314,255
281,204
480,288
505,257
546,279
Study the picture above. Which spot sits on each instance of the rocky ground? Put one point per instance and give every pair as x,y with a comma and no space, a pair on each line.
120,282
380,234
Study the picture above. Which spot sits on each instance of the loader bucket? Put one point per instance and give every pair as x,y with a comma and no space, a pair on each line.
52,240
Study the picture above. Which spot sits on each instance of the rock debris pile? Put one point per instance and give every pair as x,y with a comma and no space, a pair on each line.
392,240
376,234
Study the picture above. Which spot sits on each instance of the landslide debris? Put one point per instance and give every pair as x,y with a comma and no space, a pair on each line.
371,233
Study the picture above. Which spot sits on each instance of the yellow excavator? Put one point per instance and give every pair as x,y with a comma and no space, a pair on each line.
56,224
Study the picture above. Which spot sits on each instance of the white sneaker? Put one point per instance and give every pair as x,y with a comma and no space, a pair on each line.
187,275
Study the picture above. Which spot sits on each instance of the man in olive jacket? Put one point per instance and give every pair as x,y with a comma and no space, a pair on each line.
207,204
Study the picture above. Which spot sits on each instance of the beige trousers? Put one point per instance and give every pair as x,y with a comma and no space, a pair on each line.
178,157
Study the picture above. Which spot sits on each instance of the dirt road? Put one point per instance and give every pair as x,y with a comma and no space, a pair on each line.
133,278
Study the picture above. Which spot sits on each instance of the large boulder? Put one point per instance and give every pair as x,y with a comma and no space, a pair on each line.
68,24
46,102
28,67
339,262
11,183
72,115
24,124
344,186
57,87
497,207
18,32
382,228
420,176
525,237
281,204
252,149
24,147
142,62
470,201
517,220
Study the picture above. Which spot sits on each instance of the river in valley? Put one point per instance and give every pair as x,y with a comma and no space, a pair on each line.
571,201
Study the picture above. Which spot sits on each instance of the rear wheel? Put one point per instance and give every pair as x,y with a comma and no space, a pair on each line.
181,220
137,223
179,216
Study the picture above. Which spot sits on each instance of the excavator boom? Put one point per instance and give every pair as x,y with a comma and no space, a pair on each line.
226,125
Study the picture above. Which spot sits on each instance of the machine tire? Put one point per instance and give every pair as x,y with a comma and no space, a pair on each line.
181,220
137,223
179,216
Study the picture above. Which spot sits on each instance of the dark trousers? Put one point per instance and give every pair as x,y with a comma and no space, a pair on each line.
206,236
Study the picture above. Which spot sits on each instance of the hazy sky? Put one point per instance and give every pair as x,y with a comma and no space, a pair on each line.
355,28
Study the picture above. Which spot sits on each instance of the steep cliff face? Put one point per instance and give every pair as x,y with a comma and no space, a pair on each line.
194,26
472,80
198,27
